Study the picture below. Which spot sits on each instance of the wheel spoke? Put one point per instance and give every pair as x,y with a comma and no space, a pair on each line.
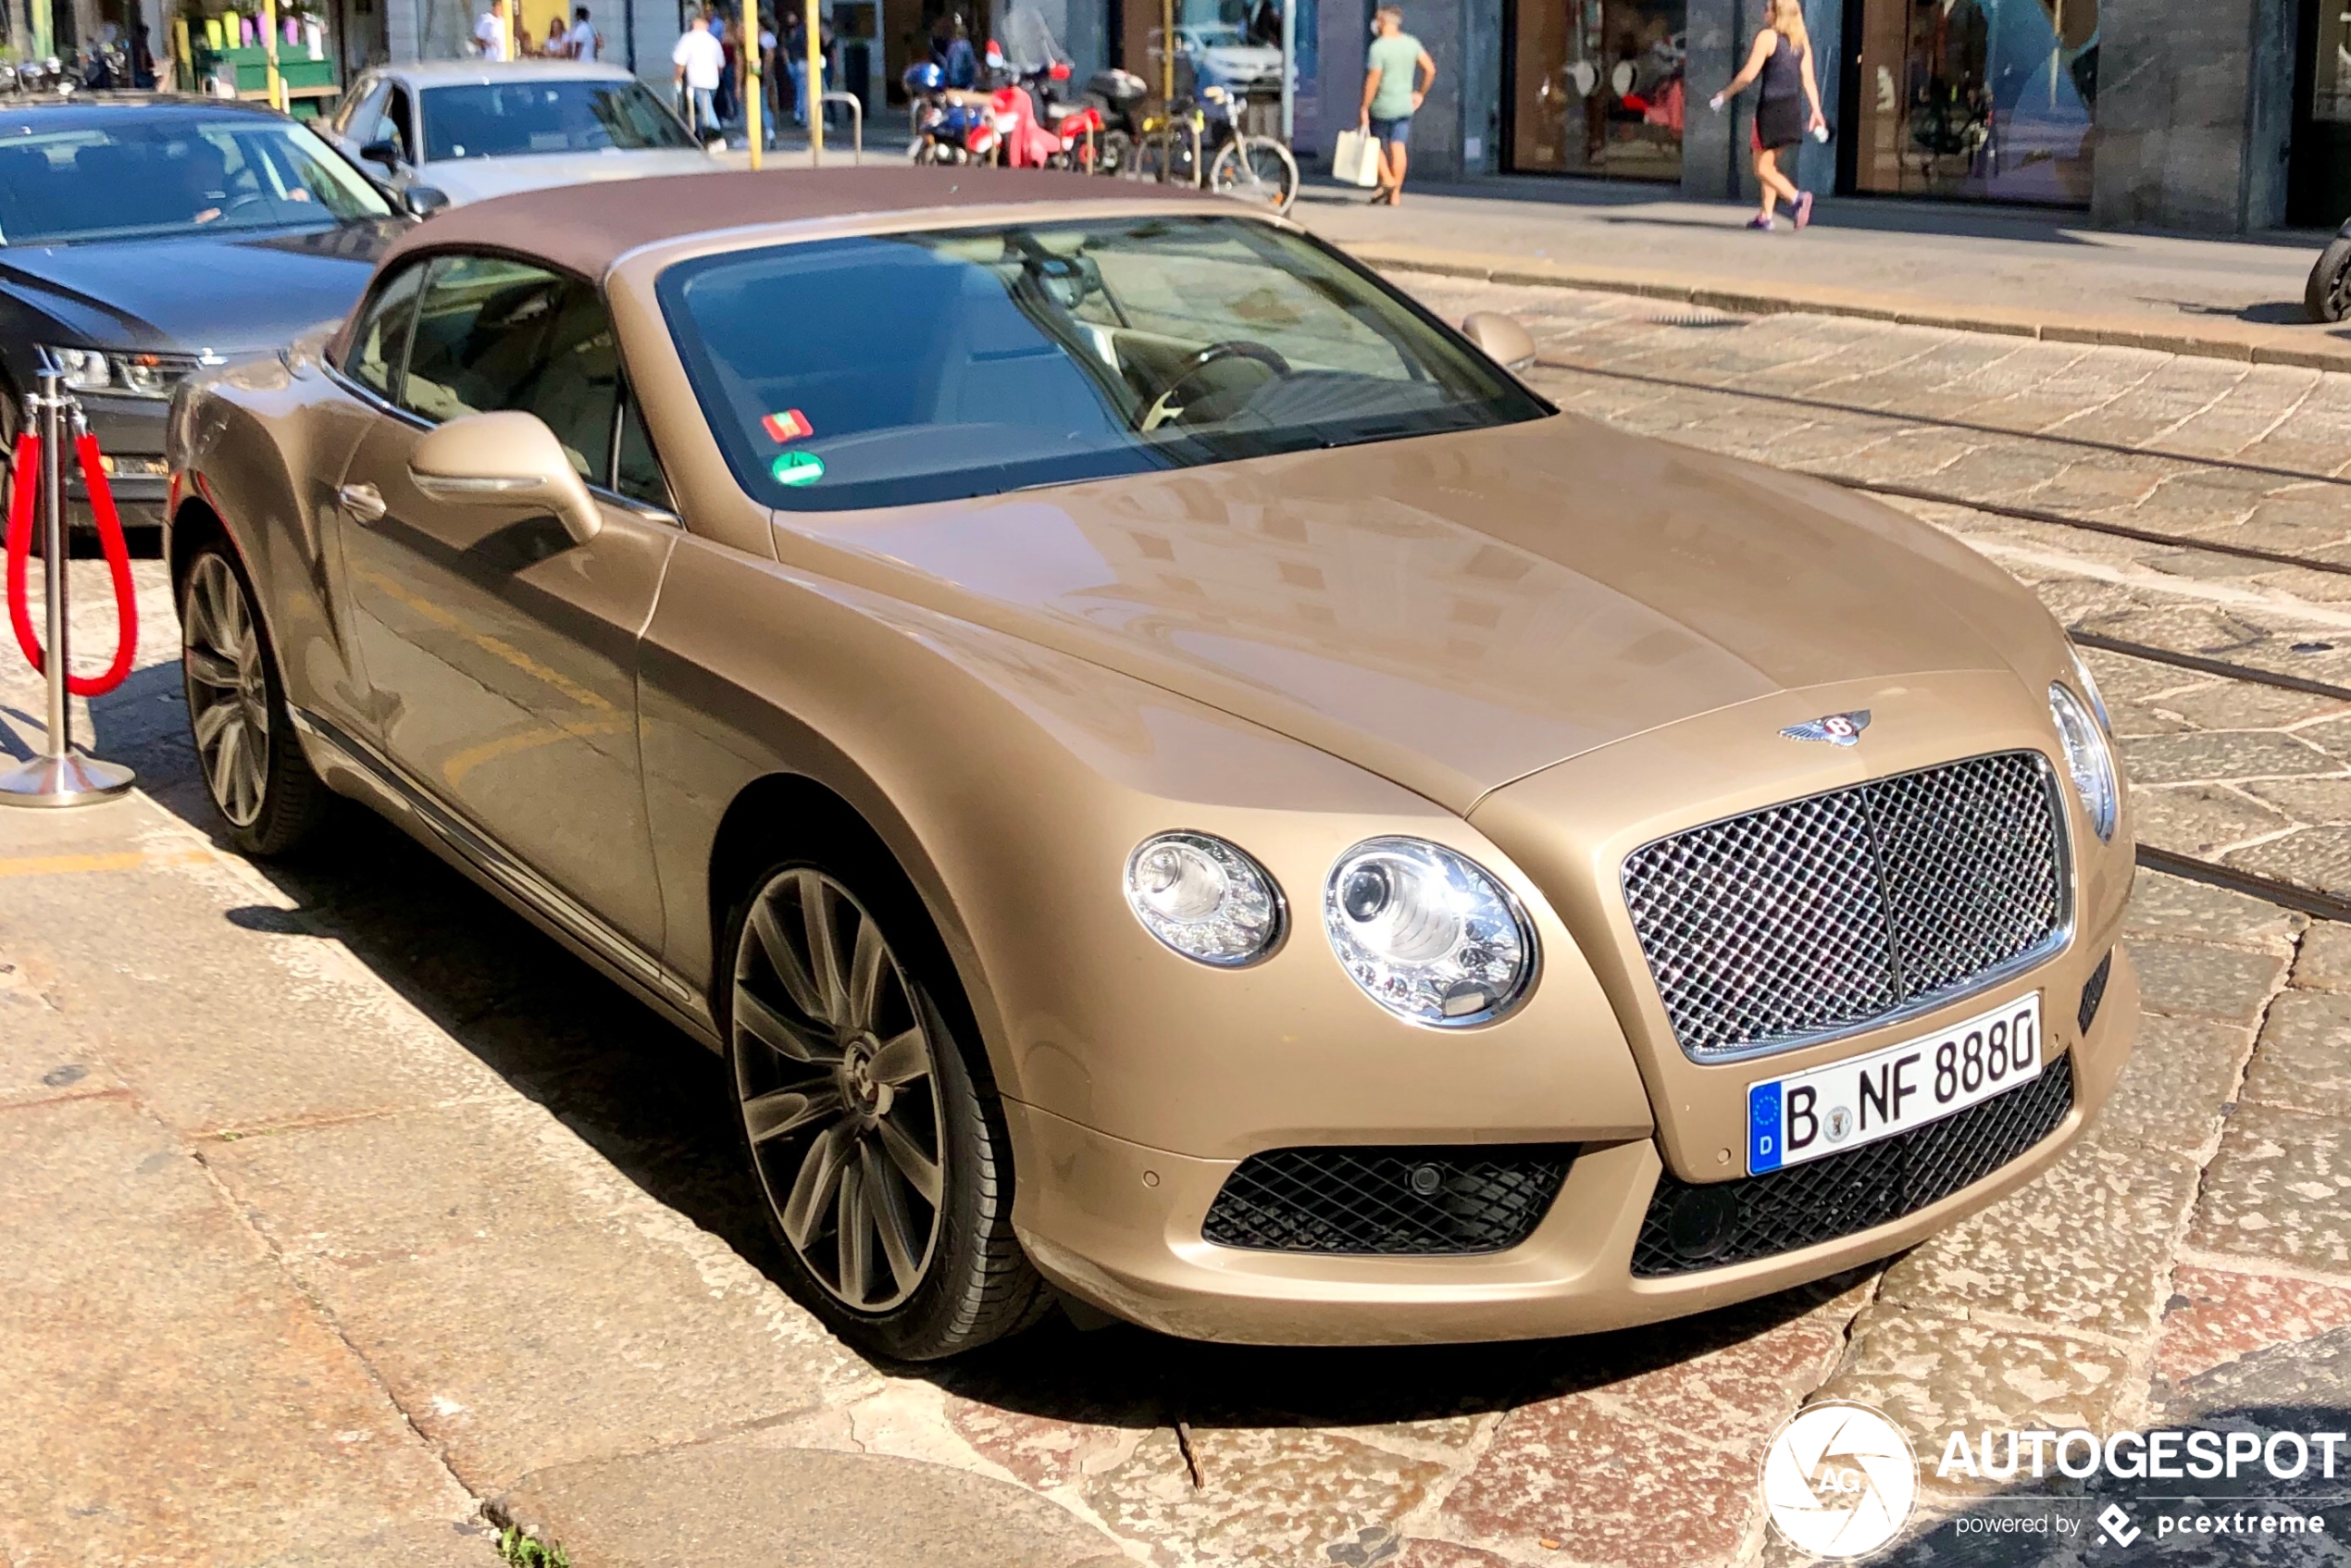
209,668
920,1170
814,1188
866,961
902,1060
252,764
212,721
785,960
778,1033
823,946
780,1111
853,1238
881,1185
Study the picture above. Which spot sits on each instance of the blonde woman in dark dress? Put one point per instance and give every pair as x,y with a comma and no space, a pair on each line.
1788,106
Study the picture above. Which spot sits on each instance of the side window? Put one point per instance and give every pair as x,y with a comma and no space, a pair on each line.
361,109
497,334
396,123
635,472
381,340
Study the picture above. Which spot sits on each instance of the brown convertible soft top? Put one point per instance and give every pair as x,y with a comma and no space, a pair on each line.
582,228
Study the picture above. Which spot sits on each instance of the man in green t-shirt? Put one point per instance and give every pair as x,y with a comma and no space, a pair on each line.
1391,96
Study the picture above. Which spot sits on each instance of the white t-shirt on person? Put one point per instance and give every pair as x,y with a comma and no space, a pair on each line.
581,40
491,36
703,56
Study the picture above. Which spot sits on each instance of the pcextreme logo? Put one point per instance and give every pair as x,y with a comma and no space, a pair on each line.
1839,1479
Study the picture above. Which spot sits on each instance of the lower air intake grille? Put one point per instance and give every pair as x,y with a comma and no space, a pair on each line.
1410,1200
1724,1222
2093,994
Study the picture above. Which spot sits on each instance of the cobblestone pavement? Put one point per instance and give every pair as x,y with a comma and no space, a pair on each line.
339,1206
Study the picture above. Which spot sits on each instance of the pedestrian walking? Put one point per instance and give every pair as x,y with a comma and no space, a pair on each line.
1788,106
1396,82
699,62
583,42
491,41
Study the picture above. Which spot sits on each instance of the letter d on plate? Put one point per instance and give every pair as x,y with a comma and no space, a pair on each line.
1763,1128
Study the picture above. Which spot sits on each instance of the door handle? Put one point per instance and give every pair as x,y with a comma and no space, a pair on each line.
363,501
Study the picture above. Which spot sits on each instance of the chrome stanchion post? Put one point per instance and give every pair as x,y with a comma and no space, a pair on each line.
59,776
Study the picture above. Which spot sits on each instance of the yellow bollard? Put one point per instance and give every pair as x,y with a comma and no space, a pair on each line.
754,111
816,90
269,56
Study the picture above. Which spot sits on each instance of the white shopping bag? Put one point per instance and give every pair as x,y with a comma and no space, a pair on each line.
1356,159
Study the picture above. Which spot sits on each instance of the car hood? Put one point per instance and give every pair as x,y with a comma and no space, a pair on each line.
231,293
1457,611
478,179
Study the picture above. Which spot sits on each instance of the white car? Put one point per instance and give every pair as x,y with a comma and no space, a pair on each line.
475,129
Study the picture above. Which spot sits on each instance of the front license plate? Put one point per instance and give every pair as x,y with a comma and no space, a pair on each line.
1846,1105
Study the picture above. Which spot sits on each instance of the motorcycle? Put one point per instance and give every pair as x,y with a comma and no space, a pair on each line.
950,126
1042,129
1117,96
2327,296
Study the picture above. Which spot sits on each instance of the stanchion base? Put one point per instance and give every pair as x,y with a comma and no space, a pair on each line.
69,781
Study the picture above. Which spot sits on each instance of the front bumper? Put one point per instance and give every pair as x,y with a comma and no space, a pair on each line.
1118,1224
130,434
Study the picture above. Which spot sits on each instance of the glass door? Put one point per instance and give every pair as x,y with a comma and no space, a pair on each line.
2318,177
1596,88
1990,99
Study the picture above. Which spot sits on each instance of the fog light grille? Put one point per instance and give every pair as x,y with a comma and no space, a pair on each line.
2093,994
1723,1222
1406,1201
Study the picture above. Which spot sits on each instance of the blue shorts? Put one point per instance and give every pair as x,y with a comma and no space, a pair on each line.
1393,133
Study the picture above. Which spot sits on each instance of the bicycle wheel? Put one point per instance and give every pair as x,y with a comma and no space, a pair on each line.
1256,169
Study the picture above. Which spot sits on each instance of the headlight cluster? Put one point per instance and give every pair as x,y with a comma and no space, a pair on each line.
2087,757
132,375
1425,931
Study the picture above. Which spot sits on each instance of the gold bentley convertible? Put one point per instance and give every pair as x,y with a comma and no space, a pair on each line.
1173,780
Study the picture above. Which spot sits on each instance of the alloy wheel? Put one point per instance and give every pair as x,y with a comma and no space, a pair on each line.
836,1073
228,692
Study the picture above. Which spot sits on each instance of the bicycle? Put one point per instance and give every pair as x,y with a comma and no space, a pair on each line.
1201,144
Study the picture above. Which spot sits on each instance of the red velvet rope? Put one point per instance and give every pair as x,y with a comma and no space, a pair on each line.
26,479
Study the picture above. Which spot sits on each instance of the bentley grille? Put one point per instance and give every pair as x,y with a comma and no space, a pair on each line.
1836,912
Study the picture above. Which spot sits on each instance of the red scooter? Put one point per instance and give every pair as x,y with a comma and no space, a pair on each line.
1071,134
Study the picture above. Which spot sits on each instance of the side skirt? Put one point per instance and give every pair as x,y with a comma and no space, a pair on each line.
350,767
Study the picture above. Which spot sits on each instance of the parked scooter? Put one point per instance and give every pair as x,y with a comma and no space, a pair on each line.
1117,95
2327,297
1070,139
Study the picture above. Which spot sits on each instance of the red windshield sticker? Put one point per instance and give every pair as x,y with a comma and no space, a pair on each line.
790,425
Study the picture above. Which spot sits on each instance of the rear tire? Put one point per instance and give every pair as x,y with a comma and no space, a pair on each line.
2327,297
1256,169
246,749
872,1130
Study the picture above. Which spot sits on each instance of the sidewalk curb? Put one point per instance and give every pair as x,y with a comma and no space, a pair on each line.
2246,343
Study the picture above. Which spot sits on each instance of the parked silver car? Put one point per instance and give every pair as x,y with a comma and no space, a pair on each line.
471,129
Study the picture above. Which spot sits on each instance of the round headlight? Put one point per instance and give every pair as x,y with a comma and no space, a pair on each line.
2086,758
1204,898
1427,933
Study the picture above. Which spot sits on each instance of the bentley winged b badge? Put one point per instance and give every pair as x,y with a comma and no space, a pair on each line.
1837,730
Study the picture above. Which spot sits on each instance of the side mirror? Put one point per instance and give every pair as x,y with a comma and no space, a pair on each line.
423,201
385,153
508,459
1503,339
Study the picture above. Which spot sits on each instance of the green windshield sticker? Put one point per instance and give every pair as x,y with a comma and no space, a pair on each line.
798,468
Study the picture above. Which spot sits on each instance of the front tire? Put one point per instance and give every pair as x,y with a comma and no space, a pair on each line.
251,762
2327,297
1256,169
882,1157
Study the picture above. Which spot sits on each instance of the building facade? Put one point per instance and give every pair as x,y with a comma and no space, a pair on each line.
2205,116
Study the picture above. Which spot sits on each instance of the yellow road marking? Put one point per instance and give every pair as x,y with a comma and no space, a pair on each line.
128,860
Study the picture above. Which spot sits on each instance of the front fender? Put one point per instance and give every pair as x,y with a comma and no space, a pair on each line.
1012,782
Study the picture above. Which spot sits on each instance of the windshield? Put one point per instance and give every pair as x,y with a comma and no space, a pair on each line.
506,119
67,177
888,370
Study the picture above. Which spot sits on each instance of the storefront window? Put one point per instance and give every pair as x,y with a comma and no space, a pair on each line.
1596,87
1984,98
2330,80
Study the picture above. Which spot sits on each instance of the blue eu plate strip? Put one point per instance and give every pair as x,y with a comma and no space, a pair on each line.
1762,1128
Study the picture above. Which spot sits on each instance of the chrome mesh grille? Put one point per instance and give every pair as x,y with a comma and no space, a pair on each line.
1412,1200
1824,915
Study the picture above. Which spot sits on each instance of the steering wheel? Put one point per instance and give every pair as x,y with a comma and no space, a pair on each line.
1164,406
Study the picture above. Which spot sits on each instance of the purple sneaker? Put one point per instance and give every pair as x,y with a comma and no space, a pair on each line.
1761,223
1803,208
